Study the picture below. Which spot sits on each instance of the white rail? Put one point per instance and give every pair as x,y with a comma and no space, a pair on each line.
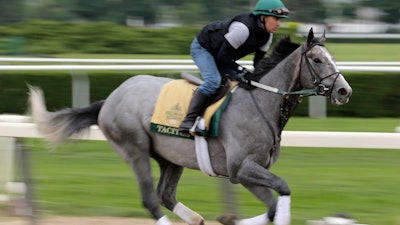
82,60
167,67
160,64
97,67
158,61
368,140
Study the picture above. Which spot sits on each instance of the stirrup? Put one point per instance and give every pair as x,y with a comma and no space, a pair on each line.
194,130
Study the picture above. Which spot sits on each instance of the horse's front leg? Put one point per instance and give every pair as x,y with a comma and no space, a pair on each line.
265,195
253,176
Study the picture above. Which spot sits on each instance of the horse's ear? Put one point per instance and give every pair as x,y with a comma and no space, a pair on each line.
310,36
322,39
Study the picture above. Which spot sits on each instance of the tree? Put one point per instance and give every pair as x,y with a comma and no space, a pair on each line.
311,11
146,9
90,10
53,10
390,8
11,11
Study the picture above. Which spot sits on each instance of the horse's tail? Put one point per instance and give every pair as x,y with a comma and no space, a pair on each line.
58,126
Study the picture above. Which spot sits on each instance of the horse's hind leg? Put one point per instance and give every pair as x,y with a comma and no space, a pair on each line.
139,161
166,189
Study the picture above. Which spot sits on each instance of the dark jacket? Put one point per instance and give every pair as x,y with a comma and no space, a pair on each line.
211,37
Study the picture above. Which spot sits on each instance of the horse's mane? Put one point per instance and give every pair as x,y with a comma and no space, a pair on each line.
282,49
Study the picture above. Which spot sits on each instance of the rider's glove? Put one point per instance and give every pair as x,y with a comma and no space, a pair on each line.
245,77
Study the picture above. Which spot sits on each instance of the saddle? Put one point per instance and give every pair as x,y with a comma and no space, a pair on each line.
173,103
220,92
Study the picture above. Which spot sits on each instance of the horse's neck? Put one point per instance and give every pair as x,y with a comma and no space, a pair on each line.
284,77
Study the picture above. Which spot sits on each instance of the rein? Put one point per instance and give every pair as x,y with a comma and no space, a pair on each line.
308,92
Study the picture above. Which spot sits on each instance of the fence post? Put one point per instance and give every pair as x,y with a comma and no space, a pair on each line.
7,146
29,206
80,89
229,196
317,107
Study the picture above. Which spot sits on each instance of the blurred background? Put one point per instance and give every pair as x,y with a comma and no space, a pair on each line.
88,179
165,13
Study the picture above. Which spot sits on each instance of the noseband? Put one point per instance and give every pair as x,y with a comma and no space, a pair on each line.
320,89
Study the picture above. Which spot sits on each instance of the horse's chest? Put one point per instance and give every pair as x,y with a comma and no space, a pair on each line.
270,158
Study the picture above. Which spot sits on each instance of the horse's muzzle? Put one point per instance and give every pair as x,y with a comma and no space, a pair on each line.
341,92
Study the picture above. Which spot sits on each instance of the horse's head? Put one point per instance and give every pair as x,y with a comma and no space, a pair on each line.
318,69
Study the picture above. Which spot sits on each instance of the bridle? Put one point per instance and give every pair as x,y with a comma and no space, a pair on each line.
320,88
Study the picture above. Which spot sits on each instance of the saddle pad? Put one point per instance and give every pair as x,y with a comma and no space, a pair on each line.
172,106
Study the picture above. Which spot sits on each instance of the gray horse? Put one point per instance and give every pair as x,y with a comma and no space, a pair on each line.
249,135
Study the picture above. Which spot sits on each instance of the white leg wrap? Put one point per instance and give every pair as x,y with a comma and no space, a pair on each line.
257,220
187,215
282,216
164,221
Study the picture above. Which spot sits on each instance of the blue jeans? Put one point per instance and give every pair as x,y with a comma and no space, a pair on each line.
209,70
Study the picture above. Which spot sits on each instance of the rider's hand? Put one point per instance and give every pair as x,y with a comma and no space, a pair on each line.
245,77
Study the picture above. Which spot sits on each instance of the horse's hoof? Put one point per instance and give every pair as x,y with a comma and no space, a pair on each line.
227,219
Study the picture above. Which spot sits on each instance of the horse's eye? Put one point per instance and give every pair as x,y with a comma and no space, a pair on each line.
317,60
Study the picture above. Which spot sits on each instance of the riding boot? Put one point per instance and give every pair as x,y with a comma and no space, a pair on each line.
197,106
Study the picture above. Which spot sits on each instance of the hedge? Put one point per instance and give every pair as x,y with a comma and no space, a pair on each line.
374,95
49,37
38,37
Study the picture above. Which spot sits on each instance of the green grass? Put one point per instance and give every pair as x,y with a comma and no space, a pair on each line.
343,124
364,52
86,178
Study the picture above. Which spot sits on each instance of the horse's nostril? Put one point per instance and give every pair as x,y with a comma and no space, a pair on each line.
342,91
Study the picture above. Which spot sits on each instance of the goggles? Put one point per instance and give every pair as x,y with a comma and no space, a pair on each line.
277,12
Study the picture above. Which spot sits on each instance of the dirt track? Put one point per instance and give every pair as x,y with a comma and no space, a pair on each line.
88,221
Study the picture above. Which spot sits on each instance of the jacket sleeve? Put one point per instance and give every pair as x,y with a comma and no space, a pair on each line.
257,57
224,56
260,53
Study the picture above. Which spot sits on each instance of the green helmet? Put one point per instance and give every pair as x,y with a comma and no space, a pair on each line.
271,8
